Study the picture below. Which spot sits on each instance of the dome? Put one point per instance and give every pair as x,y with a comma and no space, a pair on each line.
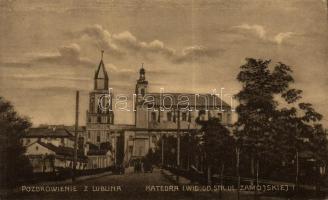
142,71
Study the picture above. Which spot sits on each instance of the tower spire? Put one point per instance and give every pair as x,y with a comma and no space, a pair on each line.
142,73
102,54
101,76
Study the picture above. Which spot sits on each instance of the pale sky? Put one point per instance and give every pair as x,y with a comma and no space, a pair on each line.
49,49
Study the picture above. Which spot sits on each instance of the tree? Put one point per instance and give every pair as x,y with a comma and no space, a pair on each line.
217,141
257,104
14,166
270,125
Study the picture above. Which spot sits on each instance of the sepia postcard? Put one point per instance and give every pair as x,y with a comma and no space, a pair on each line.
163,99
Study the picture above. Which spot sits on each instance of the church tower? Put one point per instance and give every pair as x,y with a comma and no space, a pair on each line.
141,114
100,114
142,84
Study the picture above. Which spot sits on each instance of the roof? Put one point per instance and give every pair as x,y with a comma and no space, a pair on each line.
200,100
46,132
64,151
101,71
71,129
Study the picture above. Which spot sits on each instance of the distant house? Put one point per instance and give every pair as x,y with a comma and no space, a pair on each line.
51,149
58,136
46,157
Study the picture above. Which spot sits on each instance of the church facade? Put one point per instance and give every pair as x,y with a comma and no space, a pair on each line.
156,115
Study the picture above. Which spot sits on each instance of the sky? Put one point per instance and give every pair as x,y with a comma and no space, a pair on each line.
49,49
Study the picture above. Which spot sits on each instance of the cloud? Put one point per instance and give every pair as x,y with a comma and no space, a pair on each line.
196,53
261,33
280,37
67,55
257,29
15,64
126,44
101,38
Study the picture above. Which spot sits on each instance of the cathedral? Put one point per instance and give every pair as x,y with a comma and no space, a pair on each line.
167,116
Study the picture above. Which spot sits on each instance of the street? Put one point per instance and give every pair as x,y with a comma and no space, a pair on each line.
128,186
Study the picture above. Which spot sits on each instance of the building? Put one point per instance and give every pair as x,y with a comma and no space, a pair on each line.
51,149
55,135
156,114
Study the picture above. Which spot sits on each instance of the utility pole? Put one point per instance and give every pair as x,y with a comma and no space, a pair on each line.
178,140
188,158
178,144
162,149
297,171
237,171
76,134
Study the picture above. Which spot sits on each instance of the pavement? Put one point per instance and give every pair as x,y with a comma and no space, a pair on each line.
160,184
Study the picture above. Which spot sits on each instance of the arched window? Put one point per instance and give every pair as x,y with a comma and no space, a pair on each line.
142,91
169,116
98,137
153,116
184,116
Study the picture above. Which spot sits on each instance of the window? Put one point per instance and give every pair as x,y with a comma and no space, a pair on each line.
98,137
153,116
201,115
189,117
229,118
184,116
220,116
37,148
108,135
89,135
153,139
89,119
142,91
99,119
169,116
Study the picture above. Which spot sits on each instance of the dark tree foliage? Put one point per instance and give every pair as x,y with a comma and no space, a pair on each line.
216,143
217,140
14,166
270,130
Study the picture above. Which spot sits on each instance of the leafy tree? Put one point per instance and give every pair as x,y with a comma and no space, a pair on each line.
14,166
217,141
257,104
269,124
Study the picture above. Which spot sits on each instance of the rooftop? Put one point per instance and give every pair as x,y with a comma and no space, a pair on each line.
64,151
200,100
53,132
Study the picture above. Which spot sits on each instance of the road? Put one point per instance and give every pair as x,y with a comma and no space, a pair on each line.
128,186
